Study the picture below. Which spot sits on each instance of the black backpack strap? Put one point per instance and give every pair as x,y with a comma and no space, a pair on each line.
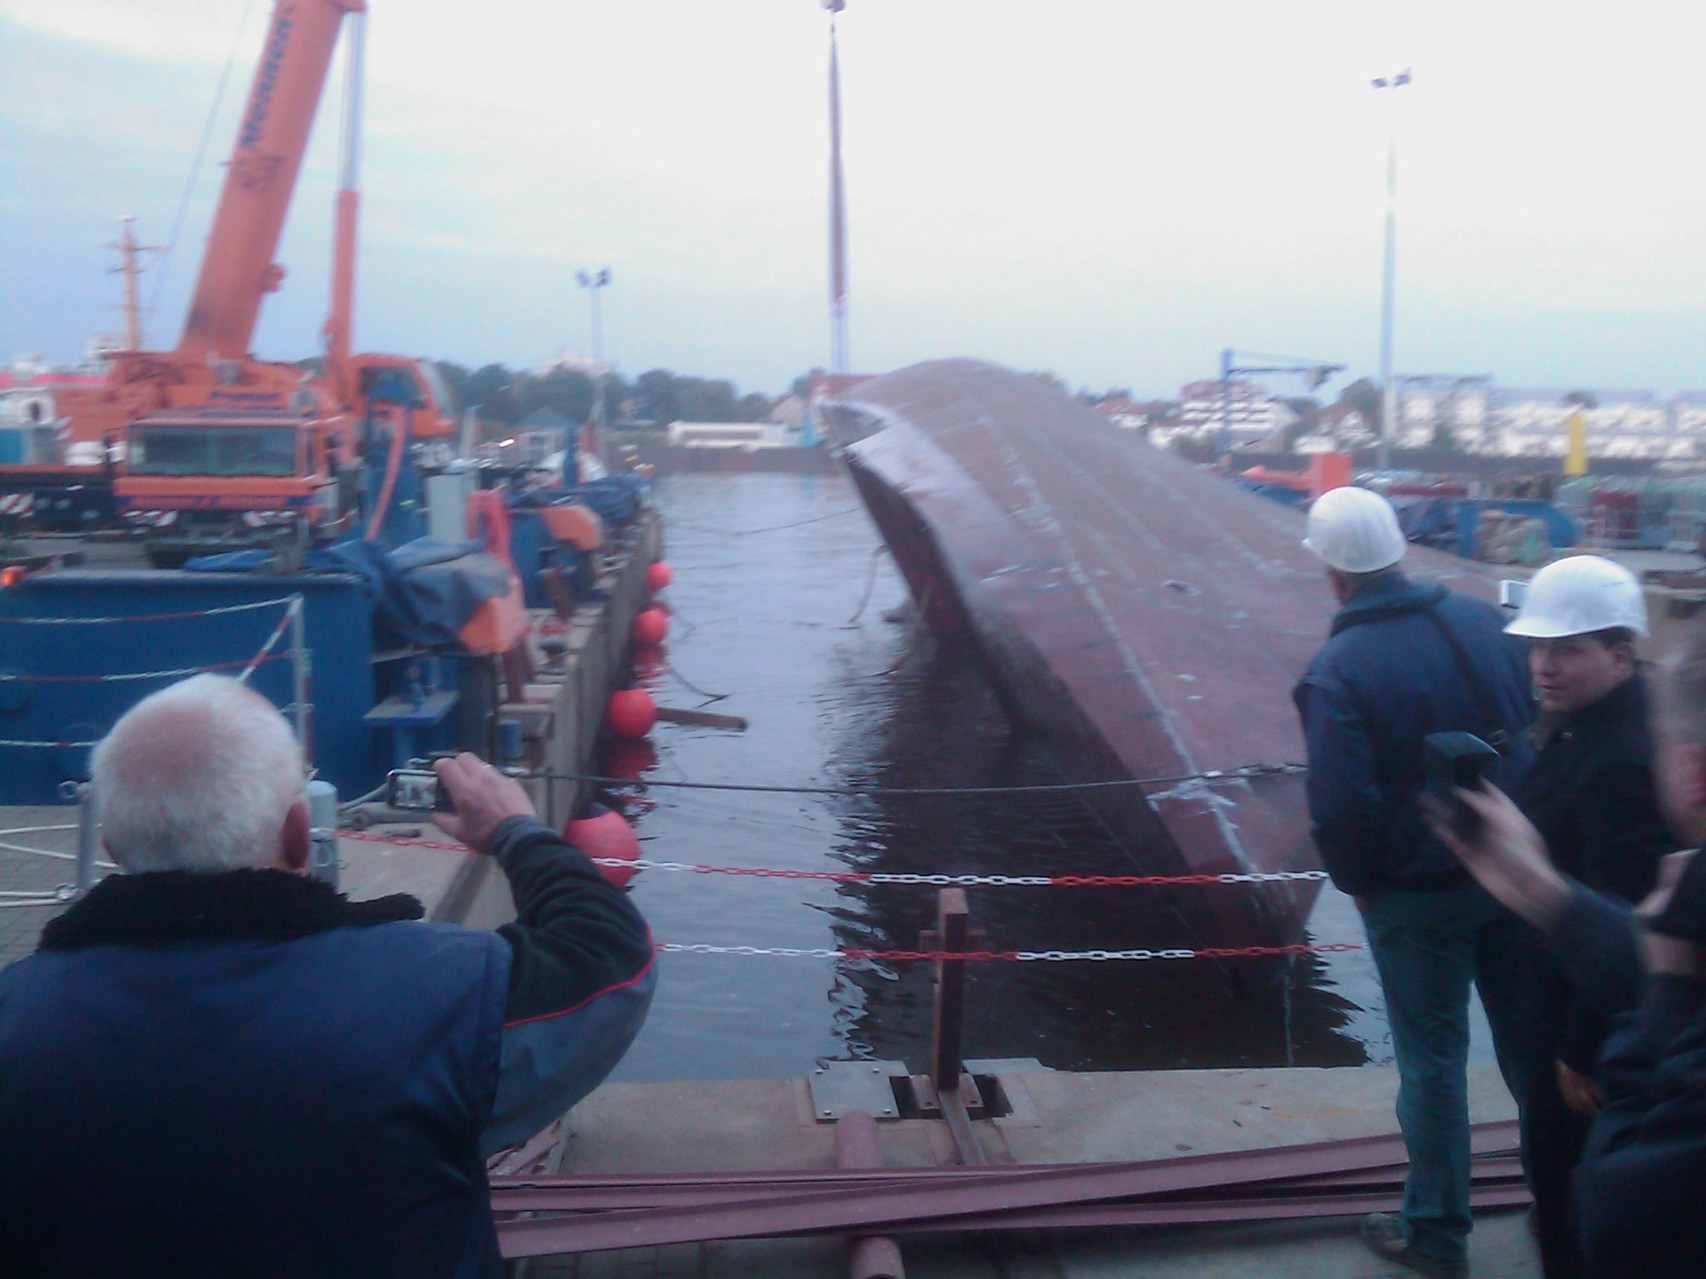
1492,732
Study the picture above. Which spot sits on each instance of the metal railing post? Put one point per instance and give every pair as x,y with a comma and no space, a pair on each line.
299,665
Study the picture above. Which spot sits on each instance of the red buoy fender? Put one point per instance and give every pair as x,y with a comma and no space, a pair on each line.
604,834
659,575
631,712
650,626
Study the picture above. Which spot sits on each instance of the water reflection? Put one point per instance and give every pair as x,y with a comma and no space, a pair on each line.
941,727
787,623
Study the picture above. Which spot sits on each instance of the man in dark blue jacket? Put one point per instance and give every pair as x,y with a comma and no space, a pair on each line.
215,1064
1405,660
1640,1191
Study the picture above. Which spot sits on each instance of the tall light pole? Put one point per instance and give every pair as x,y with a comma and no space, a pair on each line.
1388,391
593,282
837,208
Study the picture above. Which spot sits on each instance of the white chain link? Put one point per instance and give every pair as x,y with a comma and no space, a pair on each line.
1022,956
942,880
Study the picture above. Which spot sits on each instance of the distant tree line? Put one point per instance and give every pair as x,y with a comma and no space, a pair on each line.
502,396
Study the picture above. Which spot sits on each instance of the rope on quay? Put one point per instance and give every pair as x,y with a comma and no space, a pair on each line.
149,617
1243,773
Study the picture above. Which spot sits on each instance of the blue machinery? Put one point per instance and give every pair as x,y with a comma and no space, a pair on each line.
79,648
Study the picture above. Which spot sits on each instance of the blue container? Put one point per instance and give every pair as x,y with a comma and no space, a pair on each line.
63,675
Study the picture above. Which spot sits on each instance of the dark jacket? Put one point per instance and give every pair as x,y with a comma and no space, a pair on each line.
246,1073
1639,1189
1385,679
1593,797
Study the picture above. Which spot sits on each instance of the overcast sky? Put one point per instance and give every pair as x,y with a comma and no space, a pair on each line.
1108,189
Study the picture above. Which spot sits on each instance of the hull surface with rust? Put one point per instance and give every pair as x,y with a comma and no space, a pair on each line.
1148,618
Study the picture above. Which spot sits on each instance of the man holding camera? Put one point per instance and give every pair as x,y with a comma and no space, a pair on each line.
1404,661
1638,1191
215,1064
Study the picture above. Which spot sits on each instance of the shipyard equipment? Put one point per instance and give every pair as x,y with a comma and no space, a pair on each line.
206,446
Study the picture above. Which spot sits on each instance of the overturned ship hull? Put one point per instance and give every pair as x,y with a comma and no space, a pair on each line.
1148,619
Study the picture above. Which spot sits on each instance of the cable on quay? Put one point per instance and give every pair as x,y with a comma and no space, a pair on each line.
896,877
150,617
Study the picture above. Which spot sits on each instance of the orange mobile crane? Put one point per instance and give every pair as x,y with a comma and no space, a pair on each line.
210,447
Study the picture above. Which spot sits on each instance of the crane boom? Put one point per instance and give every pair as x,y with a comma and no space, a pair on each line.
237,269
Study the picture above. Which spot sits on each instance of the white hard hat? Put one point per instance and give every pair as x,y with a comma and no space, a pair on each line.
1579,595
1355,531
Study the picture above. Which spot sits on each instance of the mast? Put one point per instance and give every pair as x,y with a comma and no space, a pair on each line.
837,208
340,323
130,267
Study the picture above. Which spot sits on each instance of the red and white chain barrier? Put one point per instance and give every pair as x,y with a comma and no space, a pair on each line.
890,877
949,881
1014,956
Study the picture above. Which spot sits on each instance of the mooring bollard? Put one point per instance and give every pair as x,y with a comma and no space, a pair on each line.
88,841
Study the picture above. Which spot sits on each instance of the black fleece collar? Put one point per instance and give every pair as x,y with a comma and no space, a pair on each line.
178,905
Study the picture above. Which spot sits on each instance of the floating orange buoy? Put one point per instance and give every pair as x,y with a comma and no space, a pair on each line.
659,575
630,712
650,626
648,662
601,833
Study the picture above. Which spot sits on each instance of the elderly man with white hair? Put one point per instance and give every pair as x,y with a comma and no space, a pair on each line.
215,1064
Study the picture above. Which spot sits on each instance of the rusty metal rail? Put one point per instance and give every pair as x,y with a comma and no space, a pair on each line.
1321,1179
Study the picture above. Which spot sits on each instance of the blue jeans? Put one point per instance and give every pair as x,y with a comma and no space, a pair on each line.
1428,947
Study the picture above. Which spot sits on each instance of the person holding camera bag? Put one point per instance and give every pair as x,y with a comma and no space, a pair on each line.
1405,661
1593,797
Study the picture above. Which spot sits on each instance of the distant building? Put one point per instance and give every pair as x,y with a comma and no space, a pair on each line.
1534,422
1339,428
1244,414
1126,414
1436,407
727,435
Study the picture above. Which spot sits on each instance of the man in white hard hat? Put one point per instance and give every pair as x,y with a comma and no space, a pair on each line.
1593,796
1405,660
1638,1190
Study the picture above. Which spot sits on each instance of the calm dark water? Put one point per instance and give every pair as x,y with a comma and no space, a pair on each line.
778,604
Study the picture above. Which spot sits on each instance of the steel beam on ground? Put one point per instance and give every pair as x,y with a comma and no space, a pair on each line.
999,1192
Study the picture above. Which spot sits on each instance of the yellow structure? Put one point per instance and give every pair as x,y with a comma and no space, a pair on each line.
1576,457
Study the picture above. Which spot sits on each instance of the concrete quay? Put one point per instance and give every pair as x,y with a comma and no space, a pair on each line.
1058,1118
